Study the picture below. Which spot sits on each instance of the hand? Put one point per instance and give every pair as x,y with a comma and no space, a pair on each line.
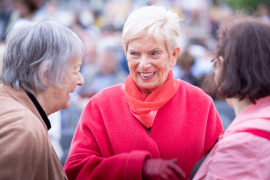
160,169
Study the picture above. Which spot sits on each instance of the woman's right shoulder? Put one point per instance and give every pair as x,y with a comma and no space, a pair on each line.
109,93
106,103
108,96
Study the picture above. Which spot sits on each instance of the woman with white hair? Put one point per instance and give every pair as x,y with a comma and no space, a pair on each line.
40,69
152,126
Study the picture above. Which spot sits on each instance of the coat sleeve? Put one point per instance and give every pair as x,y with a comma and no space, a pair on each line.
214,127
17,158
239,156
92,157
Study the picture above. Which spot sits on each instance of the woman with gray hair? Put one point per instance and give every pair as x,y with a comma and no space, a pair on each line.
152,126
41,67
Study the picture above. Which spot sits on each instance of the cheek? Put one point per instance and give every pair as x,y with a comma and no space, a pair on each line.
132,65
162,66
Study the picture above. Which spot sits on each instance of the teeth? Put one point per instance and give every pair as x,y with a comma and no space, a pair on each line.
146,75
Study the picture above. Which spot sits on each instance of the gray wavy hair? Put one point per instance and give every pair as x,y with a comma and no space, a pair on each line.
39,53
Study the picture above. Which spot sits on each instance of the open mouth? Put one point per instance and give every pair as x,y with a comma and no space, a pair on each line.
146,75
72,91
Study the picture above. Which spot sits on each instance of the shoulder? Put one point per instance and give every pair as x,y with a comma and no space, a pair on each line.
242,146
106,105
17,118
107,99
251,152
242,140
111,93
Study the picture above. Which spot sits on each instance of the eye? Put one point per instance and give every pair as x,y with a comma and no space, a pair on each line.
78,71
155,53
134,54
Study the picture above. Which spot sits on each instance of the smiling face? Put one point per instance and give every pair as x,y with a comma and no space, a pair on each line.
149,62
59,98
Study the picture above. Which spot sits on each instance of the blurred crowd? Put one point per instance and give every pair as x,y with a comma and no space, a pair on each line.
99,24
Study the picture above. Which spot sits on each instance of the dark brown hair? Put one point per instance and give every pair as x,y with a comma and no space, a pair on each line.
244,43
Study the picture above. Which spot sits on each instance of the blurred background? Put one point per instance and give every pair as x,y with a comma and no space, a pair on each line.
99,24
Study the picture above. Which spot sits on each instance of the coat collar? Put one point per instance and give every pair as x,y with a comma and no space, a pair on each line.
22,97
40,110
255,116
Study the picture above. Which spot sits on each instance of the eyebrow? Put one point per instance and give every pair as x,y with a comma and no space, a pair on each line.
154,49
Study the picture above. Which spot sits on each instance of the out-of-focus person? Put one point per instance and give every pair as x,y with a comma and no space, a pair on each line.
40,69
202,65
197,26
263,10
24,12
152,125
104,75
185,62
242,77
5,14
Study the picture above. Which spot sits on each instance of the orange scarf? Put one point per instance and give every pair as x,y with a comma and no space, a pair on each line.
141,104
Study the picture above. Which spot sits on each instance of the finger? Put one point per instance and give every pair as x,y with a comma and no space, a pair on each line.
171,174
174,160
179,172
163,176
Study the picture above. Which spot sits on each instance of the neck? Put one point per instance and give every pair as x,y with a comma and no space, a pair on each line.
147,92
42,100
238,105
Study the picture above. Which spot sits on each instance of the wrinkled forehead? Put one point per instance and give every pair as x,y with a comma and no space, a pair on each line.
146,43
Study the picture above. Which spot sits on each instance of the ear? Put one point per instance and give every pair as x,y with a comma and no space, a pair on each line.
174,56
43,70
221,59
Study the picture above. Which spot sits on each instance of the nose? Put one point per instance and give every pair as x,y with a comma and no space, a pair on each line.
144,63
80,81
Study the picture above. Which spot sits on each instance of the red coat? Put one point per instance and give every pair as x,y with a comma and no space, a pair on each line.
110,143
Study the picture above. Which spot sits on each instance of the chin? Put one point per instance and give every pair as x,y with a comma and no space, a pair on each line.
66,105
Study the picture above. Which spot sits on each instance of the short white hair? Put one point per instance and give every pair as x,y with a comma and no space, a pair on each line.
39,52
154,21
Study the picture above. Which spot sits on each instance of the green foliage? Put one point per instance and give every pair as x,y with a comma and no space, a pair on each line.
251,5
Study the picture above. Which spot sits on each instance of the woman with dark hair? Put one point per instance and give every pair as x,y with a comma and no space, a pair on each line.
242,75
